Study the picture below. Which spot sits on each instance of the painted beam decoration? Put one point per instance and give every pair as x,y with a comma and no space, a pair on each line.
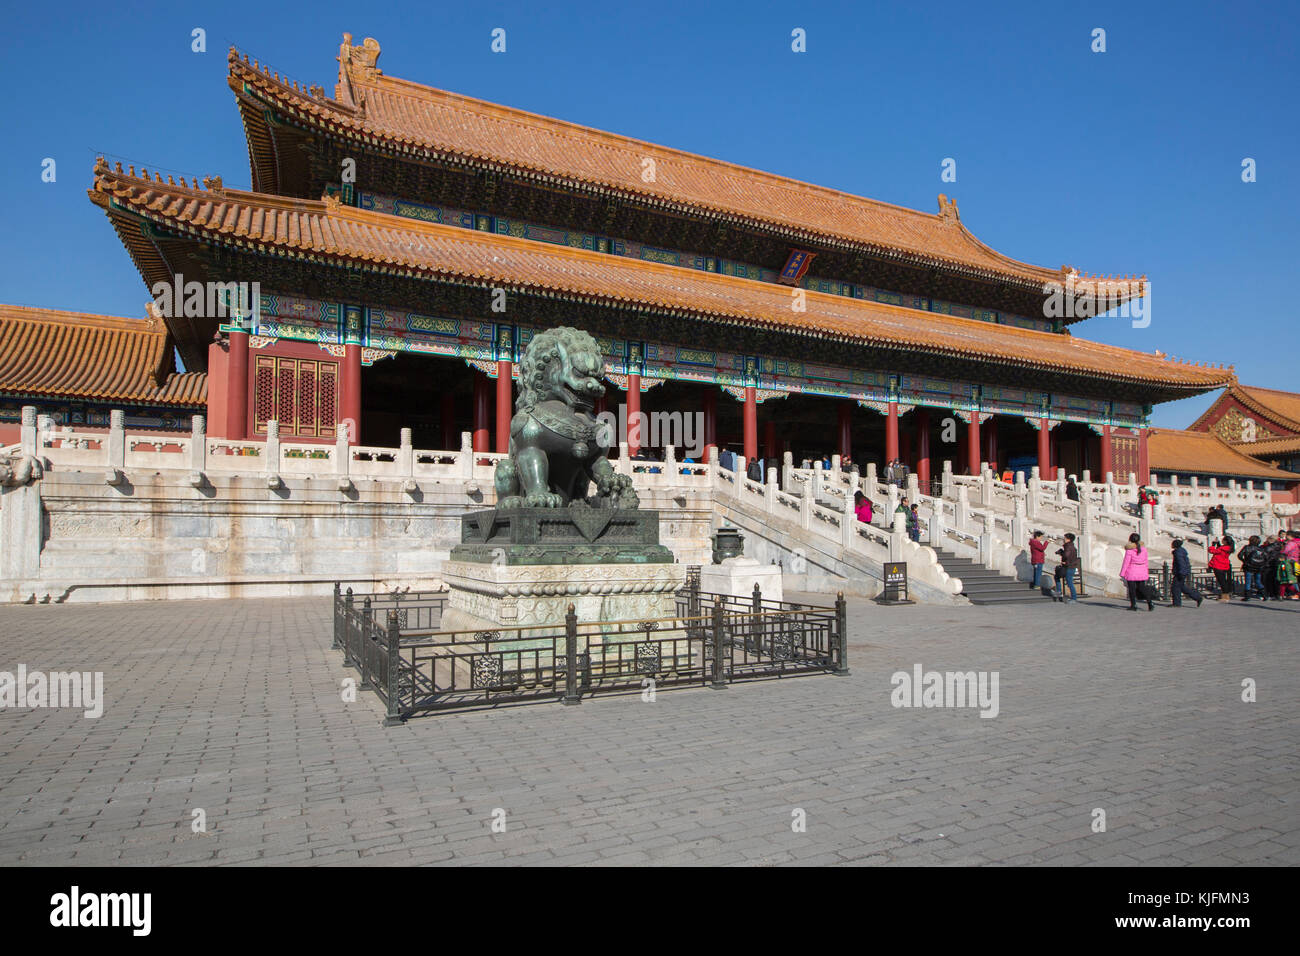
384,332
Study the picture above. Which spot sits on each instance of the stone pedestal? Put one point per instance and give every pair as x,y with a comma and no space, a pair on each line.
737,577
485,596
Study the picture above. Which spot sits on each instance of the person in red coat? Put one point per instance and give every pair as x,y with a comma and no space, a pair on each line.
1221,565
1037,548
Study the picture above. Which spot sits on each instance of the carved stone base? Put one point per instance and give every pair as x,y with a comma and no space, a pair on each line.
498,595
737,577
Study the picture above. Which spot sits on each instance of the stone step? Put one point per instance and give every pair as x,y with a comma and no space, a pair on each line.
983,585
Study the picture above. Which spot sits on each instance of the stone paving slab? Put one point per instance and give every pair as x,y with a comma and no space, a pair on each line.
234,707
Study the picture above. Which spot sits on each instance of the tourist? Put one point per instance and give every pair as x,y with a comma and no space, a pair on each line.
1221,565
755,471
1288,572
1219,513
862,507
914,524
1069,555
905,511
807,464
1273,555
1134,572
1037,550
1182,573
1071,489
1253,561
1222,517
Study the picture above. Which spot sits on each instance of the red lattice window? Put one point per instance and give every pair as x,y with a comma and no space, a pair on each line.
301,394
263,392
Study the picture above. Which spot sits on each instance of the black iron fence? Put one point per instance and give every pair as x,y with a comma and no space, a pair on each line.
714,640
1204,581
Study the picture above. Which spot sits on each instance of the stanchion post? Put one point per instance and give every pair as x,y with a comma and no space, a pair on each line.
571,657
842,634
394,671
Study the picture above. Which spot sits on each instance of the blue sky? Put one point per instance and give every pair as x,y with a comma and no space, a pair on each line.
1127,161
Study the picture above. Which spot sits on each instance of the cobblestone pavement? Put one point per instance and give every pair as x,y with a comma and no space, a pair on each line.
233,707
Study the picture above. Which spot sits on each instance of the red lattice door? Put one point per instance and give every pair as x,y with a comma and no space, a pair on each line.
301,394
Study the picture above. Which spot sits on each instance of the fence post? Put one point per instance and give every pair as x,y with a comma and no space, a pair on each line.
719,629
367,617
842,635
394,716
347,632
337,598
571,657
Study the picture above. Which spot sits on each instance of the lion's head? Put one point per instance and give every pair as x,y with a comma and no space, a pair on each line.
561,364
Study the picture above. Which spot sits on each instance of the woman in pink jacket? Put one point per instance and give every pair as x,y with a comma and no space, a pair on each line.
862,507
1134,572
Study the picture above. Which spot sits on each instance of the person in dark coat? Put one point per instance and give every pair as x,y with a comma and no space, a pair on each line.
1071,489
1069,555
1253,562
755,471
1181,584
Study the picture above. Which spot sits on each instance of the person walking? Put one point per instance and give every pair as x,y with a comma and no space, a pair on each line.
1182,573
1134,572
914,524
1069,555
1253,560
1221,565
1072,489
862,507
755,471
1037,550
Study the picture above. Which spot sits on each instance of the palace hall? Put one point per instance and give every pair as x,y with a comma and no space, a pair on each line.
405,243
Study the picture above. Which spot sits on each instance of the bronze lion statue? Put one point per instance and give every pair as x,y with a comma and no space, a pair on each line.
557,447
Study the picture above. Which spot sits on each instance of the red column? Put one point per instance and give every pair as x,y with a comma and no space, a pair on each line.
769,443
845,438
1144,458
482,401
891,433
351,392
237,387
710,417
973,444
751,423
1044,450
923,449
1106,464
449,437
634,435
505,405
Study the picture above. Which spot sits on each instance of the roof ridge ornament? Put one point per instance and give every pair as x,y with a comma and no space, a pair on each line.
948,209
359,60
